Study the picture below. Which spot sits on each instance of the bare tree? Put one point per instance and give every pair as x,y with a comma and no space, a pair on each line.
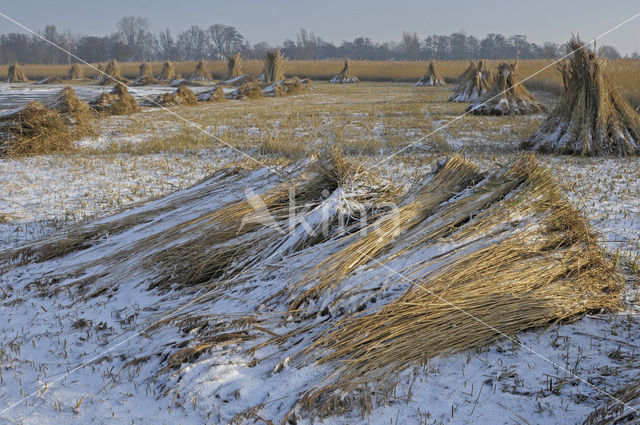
226,40
133,32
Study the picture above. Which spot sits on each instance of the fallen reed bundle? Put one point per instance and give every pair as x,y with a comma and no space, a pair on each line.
117,102
506,96
145,76
182,96
593,118
201,74
215,95
431,78
111,74
472,84
76,72
622,409
234,66
346,76
168,72
50,80
74,112
33,129
287,87
16,74
249,90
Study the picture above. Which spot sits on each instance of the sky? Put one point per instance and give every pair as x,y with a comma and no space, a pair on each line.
274,21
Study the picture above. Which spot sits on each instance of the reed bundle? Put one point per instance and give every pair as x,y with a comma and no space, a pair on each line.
182,96
16,74
145,76
76,72
273,67
33,129
117,102
74,112
593,118
201,73
215,95
168,72
431,78
472,84
234,66
111,73
346,76
507,96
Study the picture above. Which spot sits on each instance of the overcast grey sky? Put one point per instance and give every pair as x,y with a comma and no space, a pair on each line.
336,20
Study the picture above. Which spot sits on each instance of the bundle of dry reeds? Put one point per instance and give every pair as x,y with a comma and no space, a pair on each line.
287,87
472,84
145,76
622,408
345,76
74,112
201,73
33,129
16,74
182,96
234,66
76,72
593,118
168,72
431,78
99,73
112,71
215,95
273,67
249,90
50,80
507,96
117,102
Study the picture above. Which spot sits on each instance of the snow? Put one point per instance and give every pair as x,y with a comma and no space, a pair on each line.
531,379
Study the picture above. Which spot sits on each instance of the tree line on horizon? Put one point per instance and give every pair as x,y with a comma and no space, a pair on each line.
133,41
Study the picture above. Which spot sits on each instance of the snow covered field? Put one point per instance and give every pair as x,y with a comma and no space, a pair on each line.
97,360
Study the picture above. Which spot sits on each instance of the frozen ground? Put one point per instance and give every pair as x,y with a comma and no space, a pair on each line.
68,362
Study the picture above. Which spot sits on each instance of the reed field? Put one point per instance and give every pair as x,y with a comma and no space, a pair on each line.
625,73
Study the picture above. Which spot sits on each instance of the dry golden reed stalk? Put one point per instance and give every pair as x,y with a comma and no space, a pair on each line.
168,72
273,67
621,409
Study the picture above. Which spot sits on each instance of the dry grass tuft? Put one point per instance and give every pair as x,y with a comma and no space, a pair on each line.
431,78
593,118
506,96
621,409
472,84
345,76
16,74
118,102
33,129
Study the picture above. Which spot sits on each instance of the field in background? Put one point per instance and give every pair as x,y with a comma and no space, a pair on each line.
624,72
